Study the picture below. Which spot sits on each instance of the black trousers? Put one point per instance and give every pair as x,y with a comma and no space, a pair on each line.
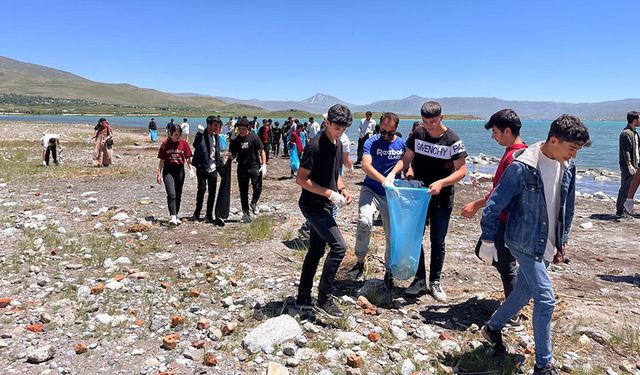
173,176
243,185
438,223
275,147
323,231
266,150
361,142
52,150
205,179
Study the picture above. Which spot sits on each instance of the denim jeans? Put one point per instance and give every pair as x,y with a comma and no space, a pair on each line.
369,204
532,282
438,223
323,231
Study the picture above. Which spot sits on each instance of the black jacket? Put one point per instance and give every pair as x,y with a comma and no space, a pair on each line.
202,151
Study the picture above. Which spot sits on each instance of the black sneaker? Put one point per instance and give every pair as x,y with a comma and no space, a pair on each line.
304,302
388,281
219,222
547,370
254,208
329,309
494,337
195,217
357,271
208,219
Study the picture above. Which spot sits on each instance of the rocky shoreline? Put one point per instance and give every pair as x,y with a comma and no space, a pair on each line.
94,281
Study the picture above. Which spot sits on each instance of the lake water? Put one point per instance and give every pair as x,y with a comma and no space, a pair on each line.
603,154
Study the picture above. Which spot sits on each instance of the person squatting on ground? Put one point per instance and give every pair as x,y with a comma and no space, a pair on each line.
364,131
539,190
629,144
505,130
380,154
50,143
103,147
322,188
247,149
207,161
437,158
174,153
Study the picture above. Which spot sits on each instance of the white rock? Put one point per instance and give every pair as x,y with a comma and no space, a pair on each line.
104,318
61,230
123,261
39,217
92,200
407,367
9,232
164,256
113,285
587,225
41,354
272,332
264,208
425,332
88,193
120,216
449,346
600,195
98,226
398,333
349,338
108,263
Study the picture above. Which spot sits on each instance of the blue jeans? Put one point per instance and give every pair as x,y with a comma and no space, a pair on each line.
532,282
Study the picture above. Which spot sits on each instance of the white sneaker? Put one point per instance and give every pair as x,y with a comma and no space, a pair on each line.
417,286
436,291
628,206
173,220
178,220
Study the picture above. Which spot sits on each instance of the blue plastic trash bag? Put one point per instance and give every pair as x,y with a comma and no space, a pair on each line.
223,142
407,215
294,160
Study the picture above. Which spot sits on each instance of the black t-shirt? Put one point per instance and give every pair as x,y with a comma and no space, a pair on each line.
152,125
323,158
277,133
247,151
433,160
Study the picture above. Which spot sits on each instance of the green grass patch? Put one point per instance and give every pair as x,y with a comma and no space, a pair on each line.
259,229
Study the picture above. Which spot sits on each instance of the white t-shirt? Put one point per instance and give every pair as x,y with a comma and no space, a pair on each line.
346,144
366,127
314,129
46,138
212,153
185,128
551,174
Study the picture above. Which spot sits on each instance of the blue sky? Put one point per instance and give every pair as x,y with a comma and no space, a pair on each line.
358,51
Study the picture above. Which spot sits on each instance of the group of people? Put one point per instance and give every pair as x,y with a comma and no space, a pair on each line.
210,160
526,217
629,158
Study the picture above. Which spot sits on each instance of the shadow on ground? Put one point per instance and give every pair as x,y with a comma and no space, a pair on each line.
627,279
460,315
481,361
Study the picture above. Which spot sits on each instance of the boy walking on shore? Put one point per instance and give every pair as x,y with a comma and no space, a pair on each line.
322,188
437,157
539,189
505,129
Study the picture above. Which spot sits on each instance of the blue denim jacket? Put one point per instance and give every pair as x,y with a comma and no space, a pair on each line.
521,192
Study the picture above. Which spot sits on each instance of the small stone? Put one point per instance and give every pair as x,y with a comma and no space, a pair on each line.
202,324
97,289
407,367
170,341
35,327
74,266
354,360
5,301
584,340
473,328
210,359
198,344
398,333
120,216
587,225
194,293
228,328
274,368
215,334
41,354
164,285
226,302
176,321
81,348
373,336
137,352
289,349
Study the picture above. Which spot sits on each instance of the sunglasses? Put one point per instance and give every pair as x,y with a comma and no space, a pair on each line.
385,133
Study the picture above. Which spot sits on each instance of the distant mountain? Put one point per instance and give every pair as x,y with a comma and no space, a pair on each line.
17,77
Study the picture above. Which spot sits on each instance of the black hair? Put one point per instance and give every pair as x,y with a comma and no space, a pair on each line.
277,123
569,128
368,113
311,119
255,117
340,115
431,109
631,116
390,116
174,128
503,119
184,120
213,120
300,126
415,125
242,122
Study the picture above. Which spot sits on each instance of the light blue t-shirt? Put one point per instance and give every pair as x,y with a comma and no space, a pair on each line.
384,156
